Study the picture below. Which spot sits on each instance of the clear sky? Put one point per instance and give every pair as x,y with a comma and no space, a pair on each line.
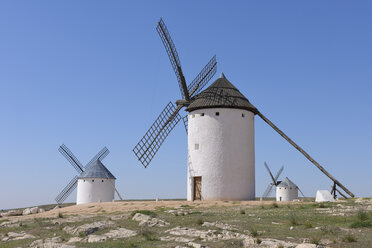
91,74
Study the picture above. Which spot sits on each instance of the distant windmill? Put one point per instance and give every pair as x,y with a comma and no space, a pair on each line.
93,167
274,182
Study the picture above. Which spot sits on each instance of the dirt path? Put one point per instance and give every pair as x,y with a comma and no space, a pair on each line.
125,206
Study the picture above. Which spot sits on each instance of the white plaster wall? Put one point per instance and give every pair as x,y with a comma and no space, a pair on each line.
97,191
225,158
287,194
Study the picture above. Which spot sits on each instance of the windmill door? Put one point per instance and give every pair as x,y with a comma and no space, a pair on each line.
197,188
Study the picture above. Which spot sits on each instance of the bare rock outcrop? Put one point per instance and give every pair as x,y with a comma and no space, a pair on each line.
145,220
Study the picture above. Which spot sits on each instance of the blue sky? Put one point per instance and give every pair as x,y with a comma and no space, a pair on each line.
94,73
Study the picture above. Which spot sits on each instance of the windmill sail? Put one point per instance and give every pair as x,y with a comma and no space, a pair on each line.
148,146
67,190
173,57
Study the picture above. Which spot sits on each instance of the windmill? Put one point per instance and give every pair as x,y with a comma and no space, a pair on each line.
80,169
223,103
148,146
274,182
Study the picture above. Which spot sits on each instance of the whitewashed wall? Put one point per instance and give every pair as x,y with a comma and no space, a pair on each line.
225,157
286,193
97,191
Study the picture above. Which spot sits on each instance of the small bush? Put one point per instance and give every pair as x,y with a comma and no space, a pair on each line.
199,222
280,246
293,219
258,241
60,215
275,205
82,234
262,207
315,240
148,235
186,206
253,232
242,211
308,224
145,212
360,224
362,215
322,205
349,238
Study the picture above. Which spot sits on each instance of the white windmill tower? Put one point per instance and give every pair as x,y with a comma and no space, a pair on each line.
286,190
95,182
221,134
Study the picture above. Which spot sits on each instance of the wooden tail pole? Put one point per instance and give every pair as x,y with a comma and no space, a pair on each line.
304,153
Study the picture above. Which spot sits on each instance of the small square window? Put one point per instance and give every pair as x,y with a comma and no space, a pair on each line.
202,114
193,116
196,146
92,180
217,113
243,115
102,180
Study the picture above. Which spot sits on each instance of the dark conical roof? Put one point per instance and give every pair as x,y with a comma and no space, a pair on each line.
221,94
97,170
287,183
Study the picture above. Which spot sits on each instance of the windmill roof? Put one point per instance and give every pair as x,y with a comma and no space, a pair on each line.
287,183
221,94
97,170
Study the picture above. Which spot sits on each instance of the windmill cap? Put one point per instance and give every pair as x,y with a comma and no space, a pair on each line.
221,94
97,170
287,183
222,75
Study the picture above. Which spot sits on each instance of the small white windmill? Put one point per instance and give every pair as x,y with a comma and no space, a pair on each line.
95,182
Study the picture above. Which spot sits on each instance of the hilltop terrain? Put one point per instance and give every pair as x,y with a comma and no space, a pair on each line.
345,223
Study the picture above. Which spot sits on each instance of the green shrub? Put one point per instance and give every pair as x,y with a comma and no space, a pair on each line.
199,222
315,240
349,238
293,219
253,232
360,224
148,235
60,215
275,205
258,241
362,215
308,224
145,212
242,211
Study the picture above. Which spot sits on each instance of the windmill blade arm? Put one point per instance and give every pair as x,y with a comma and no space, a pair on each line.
268,191
186,122
147,147
304,153
271,175
301,192
100,155
71,158
67,191
173,57
278,174
203,77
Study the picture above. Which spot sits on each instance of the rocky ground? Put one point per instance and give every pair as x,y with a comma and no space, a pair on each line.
179,224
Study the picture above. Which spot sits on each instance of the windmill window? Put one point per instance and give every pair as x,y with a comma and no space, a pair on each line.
290,188
92,180
102,180
217,113
202,114
193,116
196,146
84,180
243,115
